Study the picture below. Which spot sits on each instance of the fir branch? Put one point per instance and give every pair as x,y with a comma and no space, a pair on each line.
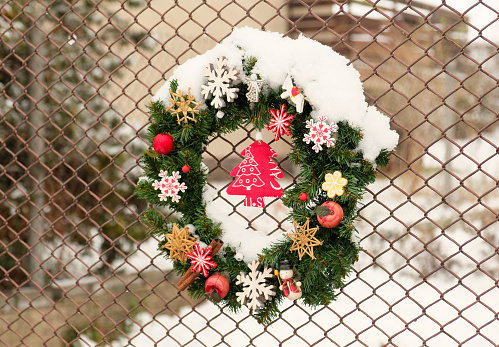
174,85
248,64
383,158
153,219
270,311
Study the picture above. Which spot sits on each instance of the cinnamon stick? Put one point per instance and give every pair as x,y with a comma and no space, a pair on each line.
190,276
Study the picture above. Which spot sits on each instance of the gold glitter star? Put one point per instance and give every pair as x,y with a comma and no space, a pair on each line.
304,239
179,243
184,105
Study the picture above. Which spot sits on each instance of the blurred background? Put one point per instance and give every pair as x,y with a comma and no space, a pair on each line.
77,267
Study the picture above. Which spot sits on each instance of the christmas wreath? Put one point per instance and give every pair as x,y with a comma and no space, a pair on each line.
295,88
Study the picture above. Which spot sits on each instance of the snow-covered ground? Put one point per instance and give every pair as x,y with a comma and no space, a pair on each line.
407,312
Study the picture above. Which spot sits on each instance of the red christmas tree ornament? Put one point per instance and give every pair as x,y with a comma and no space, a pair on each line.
201,259
279,123
185,168
216,287
303,196
163,143
256,175
329,214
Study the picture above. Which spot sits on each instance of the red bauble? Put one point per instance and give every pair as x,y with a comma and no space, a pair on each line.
217,286
303,196
329,214
163,143
185,168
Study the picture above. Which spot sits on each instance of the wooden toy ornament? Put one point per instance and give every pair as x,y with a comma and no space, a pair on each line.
290,288
254,87
290,91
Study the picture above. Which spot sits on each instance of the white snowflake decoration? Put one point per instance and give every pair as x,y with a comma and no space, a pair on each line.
219,83
320,133
169,186
255,286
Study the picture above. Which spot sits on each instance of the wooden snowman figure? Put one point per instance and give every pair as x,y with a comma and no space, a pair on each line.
289,286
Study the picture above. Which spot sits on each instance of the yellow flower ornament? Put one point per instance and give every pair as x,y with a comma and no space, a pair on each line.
334,184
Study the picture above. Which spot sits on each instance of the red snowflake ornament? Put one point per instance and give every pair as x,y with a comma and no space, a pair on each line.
320,133
201,259
279,122
169,186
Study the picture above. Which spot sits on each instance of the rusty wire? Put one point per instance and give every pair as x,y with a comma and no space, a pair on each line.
75,264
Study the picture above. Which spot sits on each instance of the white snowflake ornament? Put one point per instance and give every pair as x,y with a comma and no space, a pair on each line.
220,79
255,286
290,91
254,87
320,133
169,186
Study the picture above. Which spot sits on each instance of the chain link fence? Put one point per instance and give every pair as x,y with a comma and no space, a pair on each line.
78,268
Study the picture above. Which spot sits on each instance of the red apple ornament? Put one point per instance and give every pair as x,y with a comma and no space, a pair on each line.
216,287
329,214
163,143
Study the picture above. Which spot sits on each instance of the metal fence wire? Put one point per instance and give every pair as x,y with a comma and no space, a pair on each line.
78,268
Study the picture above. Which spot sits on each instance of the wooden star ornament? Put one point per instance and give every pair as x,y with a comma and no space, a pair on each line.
179,243
304,239
184,104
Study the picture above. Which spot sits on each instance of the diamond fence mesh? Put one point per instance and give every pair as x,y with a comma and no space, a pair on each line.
78,268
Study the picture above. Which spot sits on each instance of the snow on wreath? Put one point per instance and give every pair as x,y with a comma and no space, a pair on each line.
284,88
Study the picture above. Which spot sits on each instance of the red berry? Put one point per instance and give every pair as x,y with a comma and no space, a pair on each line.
185,168
303,196
163,143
